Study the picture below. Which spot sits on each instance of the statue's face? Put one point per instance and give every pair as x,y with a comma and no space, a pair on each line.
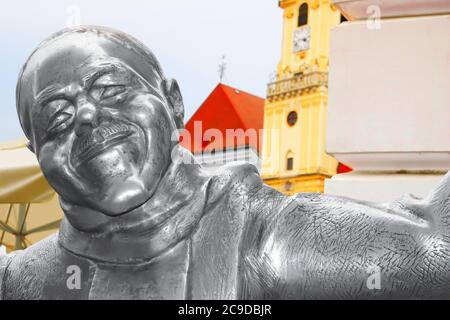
101,132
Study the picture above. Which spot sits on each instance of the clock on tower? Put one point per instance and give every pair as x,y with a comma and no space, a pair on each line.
302,37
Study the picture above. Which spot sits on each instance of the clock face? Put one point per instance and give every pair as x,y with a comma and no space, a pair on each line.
302,38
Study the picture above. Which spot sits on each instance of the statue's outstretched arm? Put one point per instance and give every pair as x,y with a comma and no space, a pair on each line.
322,246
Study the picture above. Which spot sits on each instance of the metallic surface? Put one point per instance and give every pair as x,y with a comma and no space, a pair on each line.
143,220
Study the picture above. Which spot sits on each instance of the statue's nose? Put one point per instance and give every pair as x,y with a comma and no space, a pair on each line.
86,119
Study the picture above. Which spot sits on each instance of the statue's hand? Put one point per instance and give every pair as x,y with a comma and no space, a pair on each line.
441,193
437,203
434,208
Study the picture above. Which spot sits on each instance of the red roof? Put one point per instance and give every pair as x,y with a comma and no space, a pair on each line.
226,108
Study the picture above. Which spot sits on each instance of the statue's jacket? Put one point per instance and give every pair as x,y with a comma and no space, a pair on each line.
253,242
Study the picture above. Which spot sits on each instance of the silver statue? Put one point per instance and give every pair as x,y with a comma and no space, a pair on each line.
142,223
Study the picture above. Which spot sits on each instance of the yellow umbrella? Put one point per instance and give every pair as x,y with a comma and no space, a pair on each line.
29,207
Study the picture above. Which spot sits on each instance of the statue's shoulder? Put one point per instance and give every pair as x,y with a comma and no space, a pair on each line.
235,177
43,271
273,220
241,180
4,258
26,270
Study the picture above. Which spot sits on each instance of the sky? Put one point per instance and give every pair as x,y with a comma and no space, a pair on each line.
189,37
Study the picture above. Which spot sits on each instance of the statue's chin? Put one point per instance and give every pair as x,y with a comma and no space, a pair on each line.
122,198
96,214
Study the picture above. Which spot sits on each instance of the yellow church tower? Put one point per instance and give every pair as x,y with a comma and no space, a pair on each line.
294,158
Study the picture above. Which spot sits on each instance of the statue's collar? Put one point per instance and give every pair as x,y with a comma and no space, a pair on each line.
155,227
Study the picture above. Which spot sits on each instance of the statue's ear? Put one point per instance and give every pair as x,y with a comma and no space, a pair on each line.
173,95
30,146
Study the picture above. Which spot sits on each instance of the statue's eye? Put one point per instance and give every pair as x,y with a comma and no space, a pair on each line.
107,92
62,118
112,91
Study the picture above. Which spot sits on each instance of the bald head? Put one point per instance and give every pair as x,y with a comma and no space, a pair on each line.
72,48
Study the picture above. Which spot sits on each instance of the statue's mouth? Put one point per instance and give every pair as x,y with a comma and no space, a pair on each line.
101,139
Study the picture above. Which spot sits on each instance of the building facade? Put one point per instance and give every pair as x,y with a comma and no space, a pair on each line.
393,87
293,156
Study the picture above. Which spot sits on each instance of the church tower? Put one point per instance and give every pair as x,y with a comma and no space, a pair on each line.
294,158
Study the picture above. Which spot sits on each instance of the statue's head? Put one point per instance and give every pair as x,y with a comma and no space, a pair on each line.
99,115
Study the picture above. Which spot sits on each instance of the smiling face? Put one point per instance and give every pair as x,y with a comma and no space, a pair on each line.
100,130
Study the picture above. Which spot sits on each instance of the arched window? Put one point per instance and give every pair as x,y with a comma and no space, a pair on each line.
303,15
289,161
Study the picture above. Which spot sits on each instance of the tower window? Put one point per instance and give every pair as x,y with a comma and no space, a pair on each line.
289,160
290,163
303,15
